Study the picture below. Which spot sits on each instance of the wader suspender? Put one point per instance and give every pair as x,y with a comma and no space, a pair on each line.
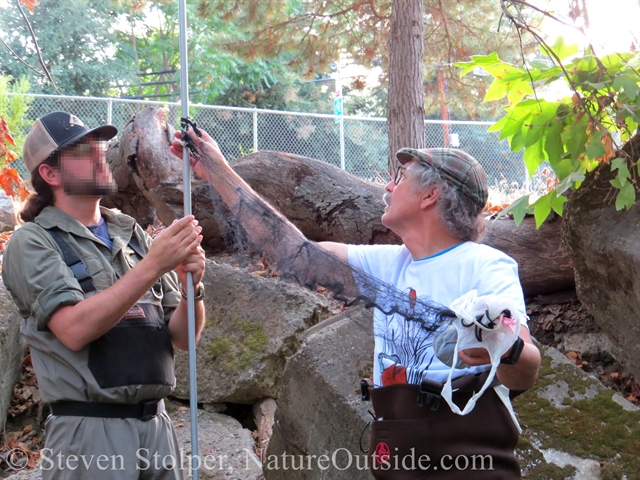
77,266
143,410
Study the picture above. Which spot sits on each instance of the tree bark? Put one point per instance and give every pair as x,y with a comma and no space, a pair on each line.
544,265
405,115
603,244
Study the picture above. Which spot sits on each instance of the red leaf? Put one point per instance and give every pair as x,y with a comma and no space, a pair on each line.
5,133
30,4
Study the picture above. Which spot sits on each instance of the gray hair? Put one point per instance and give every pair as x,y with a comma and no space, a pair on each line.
458,212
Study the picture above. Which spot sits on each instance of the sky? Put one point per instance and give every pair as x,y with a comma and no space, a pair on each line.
614,25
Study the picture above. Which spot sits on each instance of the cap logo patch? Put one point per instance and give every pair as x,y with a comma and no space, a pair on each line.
73,120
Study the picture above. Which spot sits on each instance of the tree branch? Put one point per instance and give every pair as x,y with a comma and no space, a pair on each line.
20,59
35,41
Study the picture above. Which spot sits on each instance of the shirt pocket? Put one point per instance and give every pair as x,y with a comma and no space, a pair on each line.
100,276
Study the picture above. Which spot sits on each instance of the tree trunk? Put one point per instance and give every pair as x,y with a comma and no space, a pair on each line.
405,115
603,244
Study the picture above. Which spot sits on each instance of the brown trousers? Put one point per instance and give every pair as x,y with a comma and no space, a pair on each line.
413,442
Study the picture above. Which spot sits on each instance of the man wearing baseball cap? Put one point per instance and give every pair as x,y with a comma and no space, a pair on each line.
434,205
102,309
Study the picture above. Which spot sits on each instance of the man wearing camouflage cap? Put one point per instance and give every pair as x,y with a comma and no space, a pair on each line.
102,310
434,205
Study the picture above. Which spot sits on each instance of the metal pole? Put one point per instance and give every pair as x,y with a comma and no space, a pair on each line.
193,387
109,112
339,93
255,129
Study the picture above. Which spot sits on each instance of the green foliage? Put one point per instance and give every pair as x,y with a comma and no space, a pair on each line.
574,134
13,108
77,40
309,36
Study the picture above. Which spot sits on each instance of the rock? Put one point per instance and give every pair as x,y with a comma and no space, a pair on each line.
214,407
264,412
226,450
26,475
7,212
574,427
603,244
10,350
320,411
590,345
253,325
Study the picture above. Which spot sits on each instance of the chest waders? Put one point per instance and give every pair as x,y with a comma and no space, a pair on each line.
136,351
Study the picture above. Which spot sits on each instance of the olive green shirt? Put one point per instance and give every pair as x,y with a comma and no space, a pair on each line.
40,282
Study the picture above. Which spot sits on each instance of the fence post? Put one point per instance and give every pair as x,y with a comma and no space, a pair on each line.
109,111
342,164
255,129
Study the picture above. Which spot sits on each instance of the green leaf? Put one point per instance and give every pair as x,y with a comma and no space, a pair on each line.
623,172
519,209
540,122
499,125
595,148
626,197
517,142
478,61
628,82
557,203
542,208
577,138
561,50
496,91
552,73
533,157
518,90
553,143
516,119
569,182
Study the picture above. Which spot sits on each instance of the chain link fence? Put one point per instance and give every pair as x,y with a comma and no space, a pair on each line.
355,144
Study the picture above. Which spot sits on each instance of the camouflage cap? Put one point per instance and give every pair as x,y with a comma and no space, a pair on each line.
456,166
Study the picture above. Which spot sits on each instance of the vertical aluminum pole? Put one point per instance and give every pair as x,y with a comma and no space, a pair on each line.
339,93
193,387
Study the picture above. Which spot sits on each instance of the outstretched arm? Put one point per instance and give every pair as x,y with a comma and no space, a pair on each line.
308,262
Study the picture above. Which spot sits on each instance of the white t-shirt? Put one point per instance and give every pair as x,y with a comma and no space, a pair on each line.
440,278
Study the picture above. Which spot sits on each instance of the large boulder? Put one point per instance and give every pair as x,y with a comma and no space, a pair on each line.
225,448
320,411
10,350
253,325
603,244
573,427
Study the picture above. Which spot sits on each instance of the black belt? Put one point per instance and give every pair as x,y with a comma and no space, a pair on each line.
142,411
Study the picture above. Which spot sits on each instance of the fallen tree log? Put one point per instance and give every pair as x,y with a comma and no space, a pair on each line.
324,202
543,263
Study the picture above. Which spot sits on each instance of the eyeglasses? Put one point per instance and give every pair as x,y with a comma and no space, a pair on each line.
84,149
399,175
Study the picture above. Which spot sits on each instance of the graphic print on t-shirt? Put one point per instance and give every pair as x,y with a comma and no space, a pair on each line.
406,352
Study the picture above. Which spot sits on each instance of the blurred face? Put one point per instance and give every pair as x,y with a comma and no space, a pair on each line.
401,199
84,170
